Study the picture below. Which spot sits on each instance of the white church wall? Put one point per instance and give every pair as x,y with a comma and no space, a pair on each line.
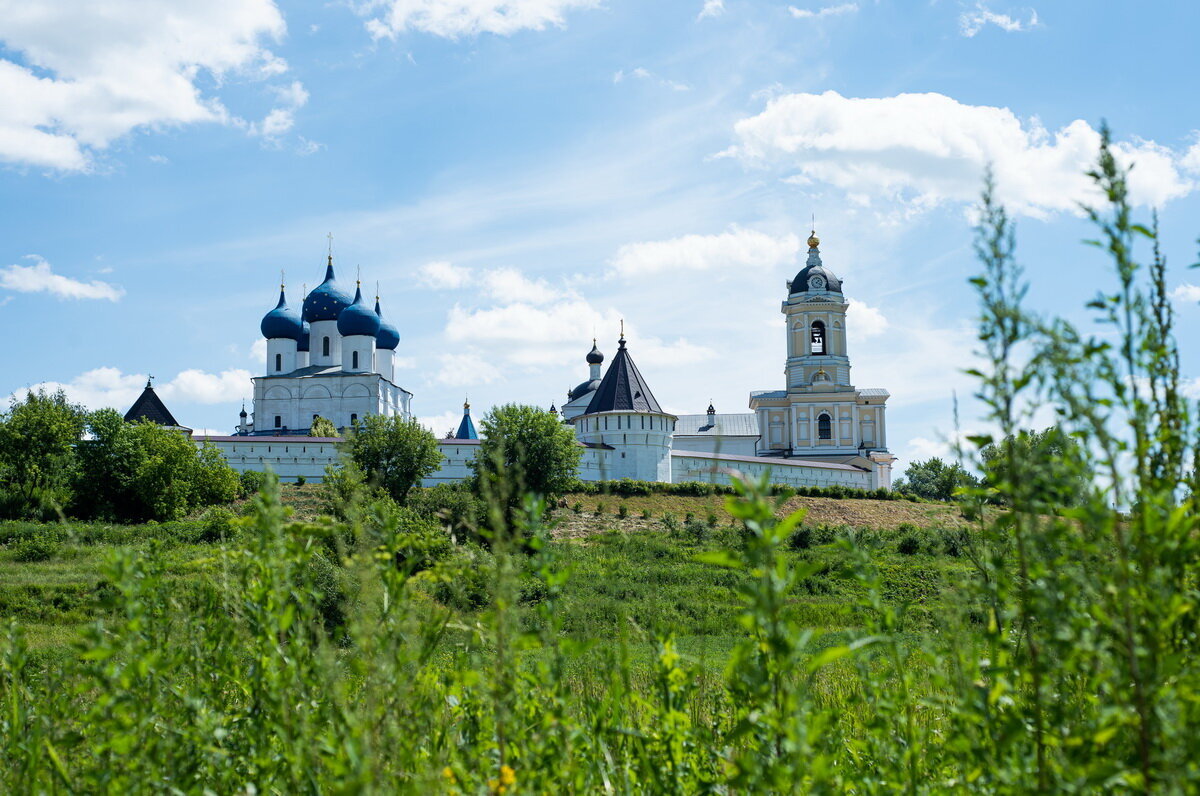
709,468
713,443
319,330
281,356
358,353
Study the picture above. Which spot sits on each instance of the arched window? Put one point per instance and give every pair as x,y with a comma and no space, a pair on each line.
353,419
279,362
325,346
818,338
824,427
354,360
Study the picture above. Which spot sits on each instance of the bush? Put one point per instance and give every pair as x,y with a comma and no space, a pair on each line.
452,506
599,512
801,538
215,524
623,511
250,483
301,480
465,581
670,524
908,545
647,514
577,507
38,548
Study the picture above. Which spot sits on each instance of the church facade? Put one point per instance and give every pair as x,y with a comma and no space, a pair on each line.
336,359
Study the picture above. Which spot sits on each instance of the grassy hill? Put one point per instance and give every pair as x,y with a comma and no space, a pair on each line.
640,567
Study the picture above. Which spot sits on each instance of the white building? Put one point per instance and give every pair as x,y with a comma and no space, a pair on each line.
337,362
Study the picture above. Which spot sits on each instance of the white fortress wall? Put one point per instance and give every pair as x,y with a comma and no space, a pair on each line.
709,468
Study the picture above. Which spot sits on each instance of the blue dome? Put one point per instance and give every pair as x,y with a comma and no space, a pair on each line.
389,336
281,321
302,340
326,301
358,318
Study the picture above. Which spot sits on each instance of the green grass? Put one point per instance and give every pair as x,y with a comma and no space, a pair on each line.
620,571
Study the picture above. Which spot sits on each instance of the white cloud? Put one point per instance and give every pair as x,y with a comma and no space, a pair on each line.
975,20
729,252
441,424
441,275
1186,292
641,73
109,387
258,350
864,321
712,8
925,149
197,386
828,11
509,285
463,370
40,278
281,119
1191,159
453,19
92,72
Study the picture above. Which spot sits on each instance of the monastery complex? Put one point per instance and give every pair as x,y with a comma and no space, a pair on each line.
336,359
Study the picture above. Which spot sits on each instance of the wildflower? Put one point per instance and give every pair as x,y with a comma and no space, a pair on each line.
448,773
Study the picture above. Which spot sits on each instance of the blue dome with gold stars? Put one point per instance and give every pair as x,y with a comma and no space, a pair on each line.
326,301
389,336
358,318
280,322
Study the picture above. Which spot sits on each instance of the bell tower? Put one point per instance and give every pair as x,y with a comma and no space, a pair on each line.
820,415
816,327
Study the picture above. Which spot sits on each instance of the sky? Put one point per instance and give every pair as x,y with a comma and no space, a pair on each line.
518,176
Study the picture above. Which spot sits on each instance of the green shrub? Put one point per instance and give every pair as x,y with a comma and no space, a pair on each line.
623,511
908,545
39,548
250,483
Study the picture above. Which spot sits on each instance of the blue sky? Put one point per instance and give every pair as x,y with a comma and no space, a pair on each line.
519,175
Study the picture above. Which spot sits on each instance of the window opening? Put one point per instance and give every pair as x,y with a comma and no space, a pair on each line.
818,337
824,427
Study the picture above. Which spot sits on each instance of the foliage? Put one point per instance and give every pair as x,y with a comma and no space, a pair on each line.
142,471
934,479
1051,451
38,435
322,427
529,446
1052,652
250,482
393,453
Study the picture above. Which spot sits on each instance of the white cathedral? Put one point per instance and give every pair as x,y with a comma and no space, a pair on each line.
336,359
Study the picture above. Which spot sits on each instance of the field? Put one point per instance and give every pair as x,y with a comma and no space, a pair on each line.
52,580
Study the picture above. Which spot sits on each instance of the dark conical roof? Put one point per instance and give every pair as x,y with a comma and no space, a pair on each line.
466,429
150,407
623,389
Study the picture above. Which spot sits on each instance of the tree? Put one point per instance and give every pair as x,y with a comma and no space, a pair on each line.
38,436
322,427
142,471
934,479
1052,453
393,453
530,448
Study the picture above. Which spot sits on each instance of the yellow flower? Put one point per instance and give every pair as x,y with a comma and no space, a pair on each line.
507,776
448,773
